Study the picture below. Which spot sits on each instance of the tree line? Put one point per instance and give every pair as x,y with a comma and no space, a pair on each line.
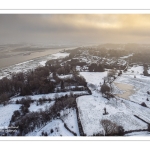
37,81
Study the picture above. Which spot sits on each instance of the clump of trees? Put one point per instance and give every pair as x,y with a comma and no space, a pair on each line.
120,72
145,72
44,133
141,57
111,128
35,82
96,68
15,115
4,98
31,120
105,88
32,82
143,104
111,76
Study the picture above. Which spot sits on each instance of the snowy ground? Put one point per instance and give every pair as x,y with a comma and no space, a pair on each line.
126,56
140,83
60,55
56,125
91,108
42,63
68,116
94,79
65,76
50,95
142,133
6,113
136,69
91,111
34,107
138,110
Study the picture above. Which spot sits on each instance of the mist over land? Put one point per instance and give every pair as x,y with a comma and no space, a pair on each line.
11,54
42,34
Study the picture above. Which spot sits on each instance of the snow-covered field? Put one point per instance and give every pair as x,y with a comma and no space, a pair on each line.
56,127
34,107
69,116
140,83
6,113
138,110
94,77
91,111
136,69
120,111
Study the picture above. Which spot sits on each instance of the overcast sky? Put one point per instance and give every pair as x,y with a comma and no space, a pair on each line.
101,28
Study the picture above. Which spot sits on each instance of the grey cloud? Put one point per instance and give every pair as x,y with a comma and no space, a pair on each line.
73,28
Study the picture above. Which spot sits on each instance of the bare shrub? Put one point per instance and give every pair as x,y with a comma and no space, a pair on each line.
111,128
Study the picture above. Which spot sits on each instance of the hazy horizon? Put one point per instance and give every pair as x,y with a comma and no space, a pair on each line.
75,28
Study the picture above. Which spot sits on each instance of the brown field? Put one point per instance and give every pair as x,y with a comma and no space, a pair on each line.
127,89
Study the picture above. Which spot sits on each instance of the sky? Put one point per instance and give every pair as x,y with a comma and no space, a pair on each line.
74,28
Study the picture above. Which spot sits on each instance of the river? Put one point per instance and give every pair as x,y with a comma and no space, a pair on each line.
15,59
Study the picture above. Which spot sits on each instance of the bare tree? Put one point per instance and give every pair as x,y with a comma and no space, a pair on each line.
110,128
110,77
